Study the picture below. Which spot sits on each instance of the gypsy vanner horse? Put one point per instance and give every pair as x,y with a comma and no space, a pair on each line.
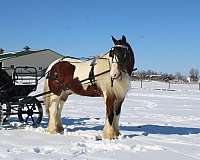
107,76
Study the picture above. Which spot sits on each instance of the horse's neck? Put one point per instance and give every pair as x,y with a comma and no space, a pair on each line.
102,65
120,87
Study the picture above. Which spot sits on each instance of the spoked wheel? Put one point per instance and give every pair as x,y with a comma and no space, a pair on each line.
5,111
30,111
1,115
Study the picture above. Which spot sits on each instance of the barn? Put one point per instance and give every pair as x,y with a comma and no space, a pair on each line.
40,59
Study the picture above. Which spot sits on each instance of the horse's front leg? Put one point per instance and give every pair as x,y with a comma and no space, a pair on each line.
55,122
117,111
113,109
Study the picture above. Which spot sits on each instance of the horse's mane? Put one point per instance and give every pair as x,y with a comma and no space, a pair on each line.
132,54
131,59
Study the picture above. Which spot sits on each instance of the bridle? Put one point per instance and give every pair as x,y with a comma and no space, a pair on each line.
120,58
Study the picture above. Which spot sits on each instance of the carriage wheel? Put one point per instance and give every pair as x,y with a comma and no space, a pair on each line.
1,115
5,111
30,111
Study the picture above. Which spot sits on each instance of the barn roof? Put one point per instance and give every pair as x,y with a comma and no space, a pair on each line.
6,56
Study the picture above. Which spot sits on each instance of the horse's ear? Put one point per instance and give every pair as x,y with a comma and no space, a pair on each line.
123,39
114,40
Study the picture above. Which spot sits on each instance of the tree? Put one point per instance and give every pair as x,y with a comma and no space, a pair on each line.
178,76
194,74
142,74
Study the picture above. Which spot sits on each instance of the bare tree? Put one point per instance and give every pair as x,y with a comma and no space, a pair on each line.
178,76
194,74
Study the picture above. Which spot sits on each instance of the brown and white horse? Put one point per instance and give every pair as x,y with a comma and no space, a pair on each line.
107,76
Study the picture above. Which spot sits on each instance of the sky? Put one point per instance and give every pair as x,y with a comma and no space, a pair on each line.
164,34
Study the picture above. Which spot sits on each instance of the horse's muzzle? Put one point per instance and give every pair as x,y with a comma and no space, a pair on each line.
117,76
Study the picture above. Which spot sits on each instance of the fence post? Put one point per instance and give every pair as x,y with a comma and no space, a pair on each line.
141,83
199,85
169,84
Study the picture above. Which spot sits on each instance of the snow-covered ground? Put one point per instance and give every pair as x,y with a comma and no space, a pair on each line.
155,124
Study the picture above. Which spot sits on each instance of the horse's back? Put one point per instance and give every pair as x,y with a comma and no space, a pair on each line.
82,68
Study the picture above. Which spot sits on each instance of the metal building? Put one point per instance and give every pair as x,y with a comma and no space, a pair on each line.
40,59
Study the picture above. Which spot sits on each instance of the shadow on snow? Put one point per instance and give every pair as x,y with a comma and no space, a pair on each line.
157,129
82,124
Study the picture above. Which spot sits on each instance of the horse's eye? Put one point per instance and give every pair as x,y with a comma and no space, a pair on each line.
119,49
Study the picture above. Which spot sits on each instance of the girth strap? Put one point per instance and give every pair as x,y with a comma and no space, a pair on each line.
91,73
92,76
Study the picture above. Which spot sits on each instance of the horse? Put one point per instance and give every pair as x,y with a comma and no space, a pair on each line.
107,76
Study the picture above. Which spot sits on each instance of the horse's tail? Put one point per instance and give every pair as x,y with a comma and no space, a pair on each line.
47,96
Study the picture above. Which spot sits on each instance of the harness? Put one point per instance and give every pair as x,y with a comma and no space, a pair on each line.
91,73
54,76
92,77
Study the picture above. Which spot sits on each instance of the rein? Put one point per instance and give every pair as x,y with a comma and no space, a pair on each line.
67,86
64,86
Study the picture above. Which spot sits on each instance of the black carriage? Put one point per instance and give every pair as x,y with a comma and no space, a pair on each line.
14,95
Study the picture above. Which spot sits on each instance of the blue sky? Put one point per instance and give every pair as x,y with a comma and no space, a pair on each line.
165,34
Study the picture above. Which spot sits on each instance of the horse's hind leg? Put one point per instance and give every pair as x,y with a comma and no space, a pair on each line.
63,99
55,121
46,96
55,125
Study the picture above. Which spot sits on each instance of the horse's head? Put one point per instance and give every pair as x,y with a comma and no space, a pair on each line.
122,58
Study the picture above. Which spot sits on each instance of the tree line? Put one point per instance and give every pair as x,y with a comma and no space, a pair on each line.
193,76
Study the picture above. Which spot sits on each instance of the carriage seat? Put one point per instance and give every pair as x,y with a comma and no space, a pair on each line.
8,89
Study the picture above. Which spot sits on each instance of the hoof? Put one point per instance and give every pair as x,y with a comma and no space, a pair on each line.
111,135
55,130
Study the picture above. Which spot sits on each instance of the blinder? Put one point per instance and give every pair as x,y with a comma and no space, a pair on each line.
118,47
119,55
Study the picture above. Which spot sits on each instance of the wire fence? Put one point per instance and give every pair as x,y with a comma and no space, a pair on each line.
145,84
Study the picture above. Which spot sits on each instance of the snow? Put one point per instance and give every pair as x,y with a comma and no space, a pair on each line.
156,123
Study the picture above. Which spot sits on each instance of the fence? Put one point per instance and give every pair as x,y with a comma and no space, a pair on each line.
145,84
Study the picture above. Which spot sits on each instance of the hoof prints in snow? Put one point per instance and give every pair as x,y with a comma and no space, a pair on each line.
91,146
38,150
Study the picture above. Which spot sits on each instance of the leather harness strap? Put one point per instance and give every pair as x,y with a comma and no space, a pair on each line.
92,76
54,76
91,73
